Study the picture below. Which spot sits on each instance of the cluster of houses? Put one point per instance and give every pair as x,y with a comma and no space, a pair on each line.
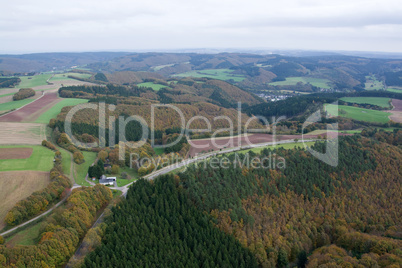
273,97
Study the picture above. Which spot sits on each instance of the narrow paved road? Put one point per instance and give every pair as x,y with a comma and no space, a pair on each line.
186,162
163,171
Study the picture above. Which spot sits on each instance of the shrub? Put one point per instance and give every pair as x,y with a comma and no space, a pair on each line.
24,93
78,157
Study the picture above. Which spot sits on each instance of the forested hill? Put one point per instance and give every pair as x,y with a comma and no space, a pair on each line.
41,62
307,214
185,90
157,226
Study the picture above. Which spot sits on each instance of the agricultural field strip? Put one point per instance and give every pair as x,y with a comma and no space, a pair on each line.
23,105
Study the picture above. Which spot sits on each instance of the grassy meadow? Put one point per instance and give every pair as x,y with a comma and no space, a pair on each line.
64,76
291,81
220,74
14,104
382,102
373,84
40,160
56,109
155,87
82,170
358,113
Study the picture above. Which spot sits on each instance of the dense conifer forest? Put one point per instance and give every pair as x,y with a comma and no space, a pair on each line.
307,214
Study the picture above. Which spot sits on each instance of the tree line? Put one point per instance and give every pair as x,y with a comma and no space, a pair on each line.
40,201
61,232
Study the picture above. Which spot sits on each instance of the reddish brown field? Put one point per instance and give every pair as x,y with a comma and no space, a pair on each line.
229,142
15,153
32,111
397,111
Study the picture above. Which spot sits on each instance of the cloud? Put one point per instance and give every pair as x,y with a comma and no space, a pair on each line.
45,25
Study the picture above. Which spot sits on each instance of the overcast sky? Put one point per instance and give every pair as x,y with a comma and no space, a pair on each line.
98,25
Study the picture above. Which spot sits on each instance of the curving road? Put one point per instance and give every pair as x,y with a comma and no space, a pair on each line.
186,162
162,171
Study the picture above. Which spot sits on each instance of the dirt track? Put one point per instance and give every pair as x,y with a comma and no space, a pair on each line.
31,111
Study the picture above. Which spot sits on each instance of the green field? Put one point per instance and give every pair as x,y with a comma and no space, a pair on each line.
64,76
291,81
131,172
382,102
56,109
155,87
220,74
9,94
28,236
40,160
33,81
358,113
395,89
82,170
14,104
65,161
159,67
286,146
373,84
159,151
323,131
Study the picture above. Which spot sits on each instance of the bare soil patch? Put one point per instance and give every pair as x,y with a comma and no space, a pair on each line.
18,185
15,153
21,133
397,111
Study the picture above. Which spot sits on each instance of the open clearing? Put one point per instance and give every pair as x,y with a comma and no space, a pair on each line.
373,84
15,153
33,81
41,159
64,76
395,89
382,102
155,87
291,81
206,145
65,161
82,170
220,74
358,113
56,109
323,131
396,113
18,185
33,110
26,237
21,133
286,146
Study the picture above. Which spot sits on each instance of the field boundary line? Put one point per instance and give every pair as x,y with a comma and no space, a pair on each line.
43,94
